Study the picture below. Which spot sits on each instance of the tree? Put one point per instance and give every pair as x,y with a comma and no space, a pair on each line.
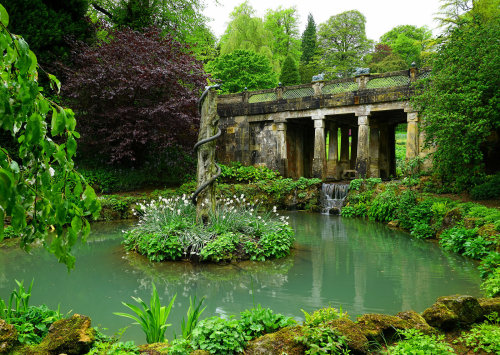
39,187
309,39
243,69
182,19
408,42
289,72
383,60
461,101
247,32
342,43
283,24
46,24
135,96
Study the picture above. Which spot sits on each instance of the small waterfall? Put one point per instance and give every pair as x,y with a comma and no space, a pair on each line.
332,197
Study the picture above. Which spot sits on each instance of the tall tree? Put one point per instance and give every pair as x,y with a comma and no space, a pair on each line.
289,72
247,32
461,100
408,41
182,19
383,60
343,43
309,41
283,24
135,95
243,69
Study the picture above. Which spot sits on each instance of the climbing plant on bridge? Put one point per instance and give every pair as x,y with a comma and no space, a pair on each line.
39,187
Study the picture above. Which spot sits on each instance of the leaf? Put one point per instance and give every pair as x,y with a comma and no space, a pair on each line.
54,83
71,146
4,16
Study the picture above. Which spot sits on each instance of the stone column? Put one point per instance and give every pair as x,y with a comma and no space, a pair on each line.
354,147
282,152
333,156
363,153
374,151
384,152
319,160
344,149
412,135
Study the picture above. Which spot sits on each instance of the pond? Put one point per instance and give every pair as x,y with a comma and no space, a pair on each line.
361,266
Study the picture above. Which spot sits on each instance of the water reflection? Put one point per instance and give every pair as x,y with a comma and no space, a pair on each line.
362,266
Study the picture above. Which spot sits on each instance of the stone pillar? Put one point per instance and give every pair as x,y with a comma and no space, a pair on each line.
344,149
384,152
363,153
412,135
374,151
282,152
354,147
333,156
319,160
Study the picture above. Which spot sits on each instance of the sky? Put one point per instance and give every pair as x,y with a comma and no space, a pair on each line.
381,15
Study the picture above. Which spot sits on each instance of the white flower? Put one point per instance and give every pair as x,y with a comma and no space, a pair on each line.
51,171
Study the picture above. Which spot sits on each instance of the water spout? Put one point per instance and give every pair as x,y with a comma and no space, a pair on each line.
332,197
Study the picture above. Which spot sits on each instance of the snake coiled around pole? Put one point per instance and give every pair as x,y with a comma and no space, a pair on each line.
204,141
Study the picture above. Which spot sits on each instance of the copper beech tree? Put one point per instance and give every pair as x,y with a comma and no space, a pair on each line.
134,95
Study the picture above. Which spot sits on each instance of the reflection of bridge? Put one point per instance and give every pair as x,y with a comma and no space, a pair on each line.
286,128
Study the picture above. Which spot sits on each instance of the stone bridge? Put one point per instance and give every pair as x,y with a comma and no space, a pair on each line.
286,128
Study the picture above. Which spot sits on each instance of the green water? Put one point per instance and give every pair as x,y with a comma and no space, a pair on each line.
362,266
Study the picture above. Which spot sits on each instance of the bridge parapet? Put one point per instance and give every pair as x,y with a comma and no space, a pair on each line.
366,88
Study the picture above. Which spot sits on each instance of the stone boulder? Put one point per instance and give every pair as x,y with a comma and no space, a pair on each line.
153,349
356,340
381,327
71,336
8,336
416,321
450,312
490,305
282,341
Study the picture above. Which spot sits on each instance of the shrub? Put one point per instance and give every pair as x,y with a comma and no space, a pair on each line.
489,264
237,172
259,321
220,248
454,239
488,190
407,202
323,340
355,184
219,336
477,247
422,231
33,324
383,207
491,286
323,316
484,336
416,342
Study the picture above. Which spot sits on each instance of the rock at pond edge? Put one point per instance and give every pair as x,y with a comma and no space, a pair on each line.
282,341
8,336
356,340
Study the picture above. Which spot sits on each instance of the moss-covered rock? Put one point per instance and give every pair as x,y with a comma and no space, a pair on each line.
282,341
68,336
154,349
466,308
356,340
416,321
451,218
490,305
8,337
200,352
381,327
440,316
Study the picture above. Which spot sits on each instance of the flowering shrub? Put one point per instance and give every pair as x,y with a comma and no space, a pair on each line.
167,230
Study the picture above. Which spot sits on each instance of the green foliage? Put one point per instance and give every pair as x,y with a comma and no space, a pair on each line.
342,43
168,231
27,195
489,264
484,336
454,239
309,45
357,210
284,26
422,231
384,207
477,248
241,69
113,348
323,340
152,318
488,190
220,248
237,172
280,186
258,321
323,316
355,184
460,100
289,72
491,286
219,336
193,315
408,42
416,342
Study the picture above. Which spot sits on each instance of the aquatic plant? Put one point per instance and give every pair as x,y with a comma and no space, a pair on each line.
415,342
258,321
193,315
167,230
219,336
152,318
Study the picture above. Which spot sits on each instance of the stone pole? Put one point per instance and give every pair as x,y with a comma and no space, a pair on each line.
207,170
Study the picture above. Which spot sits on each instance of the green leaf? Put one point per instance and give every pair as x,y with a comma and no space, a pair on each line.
71,146
4,16
55,83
